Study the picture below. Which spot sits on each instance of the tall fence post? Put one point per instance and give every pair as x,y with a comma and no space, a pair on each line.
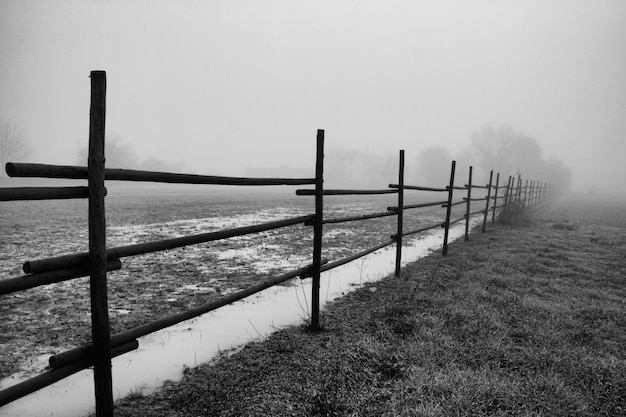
509,190
467,206
448,210
495,201
518,190
530,195
400,214
100,326
317,231
487,205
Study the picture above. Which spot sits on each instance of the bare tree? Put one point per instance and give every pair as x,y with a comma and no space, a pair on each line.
433,164
509,151
117,154
13,145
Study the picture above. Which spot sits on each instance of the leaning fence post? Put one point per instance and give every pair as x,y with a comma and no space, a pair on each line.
400,213
525,192
317,231
446,225
100,326
487,205
469,202
509,189
495,200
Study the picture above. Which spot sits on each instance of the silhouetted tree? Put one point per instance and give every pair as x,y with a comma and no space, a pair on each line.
117,155
13,145
155,164
433,164
511,152
505,150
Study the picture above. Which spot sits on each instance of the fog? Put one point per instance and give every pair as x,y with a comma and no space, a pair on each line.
239,88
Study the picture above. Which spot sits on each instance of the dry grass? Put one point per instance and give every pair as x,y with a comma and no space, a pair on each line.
523,320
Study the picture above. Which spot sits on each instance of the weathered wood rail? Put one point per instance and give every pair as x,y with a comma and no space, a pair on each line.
99,259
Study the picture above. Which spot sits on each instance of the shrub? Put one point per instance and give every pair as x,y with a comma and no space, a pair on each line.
515,213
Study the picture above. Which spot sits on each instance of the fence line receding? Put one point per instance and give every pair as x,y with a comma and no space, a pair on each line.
99,259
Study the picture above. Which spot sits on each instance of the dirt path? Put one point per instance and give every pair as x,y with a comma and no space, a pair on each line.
522,320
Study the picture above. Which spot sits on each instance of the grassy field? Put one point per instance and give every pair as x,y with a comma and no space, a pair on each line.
524,320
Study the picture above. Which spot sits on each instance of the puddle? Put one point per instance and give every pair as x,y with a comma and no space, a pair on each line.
162,355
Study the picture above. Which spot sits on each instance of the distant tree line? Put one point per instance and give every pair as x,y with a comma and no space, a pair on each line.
503,149
120,155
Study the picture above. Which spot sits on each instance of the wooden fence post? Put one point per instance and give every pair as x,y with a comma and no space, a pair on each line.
509,190
495,201
487,205
518,190
400,214
467,207
525,193
537,192
317,231
448,210
100,326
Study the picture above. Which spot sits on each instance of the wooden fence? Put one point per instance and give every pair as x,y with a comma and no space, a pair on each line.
99,259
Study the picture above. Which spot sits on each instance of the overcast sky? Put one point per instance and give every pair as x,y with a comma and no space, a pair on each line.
222,85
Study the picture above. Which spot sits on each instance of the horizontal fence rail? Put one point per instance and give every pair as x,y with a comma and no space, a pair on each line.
347,192
25,282
417,188
43,193
79,353
100,260
356,218
45,379
356,256
58,262
80,173
414,206
422,229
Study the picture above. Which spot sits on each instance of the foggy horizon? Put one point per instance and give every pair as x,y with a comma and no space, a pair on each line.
224,88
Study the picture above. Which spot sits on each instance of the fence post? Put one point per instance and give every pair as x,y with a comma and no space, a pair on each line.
469,201
525,192
317,231
495,201
400,213
448,210
487,205
518,190
100,326
531,195
506,193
